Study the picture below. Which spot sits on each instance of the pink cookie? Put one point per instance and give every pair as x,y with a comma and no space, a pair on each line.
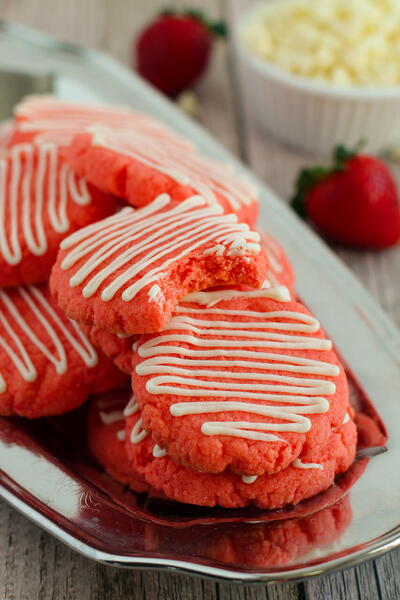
47,364
126,273
162,162
119,349
298,481
41,202
138,164
246,383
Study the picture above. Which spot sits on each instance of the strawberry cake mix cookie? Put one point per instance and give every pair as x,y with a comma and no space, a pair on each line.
116,348
128,453
41,201
132,155
303,478
47,364
134,165
247,383
279,272
126,273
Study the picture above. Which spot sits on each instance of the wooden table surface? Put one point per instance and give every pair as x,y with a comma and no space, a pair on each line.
33,565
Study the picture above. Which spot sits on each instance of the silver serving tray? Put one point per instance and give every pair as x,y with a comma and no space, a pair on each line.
49,478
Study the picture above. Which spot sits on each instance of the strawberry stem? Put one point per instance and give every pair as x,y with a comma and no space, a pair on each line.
343,154
310,177
217,28
306,180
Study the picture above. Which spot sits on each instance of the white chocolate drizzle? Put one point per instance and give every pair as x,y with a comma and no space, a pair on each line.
130,251
195,356
50,119
155,294
138,434
44,334
121,435
138,136
32,195
299,464
206,177
208,299
249,479
131,407
110,417
159,452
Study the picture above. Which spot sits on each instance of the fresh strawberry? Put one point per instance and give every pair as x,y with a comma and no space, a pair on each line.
173,52
354,202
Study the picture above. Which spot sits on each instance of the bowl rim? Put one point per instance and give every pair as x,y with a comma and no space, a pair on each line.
303,84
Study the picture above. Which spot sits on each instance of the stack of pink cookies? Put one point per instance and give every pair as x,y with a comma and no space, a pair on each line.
236,396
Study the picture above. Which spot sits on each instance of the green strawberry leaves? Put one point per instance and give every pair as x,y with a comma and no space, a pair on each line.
308,178
217,28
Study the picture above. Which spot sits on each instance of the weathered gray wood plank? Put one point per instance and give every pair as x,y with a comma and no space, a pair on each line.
275,592
341,586
387,571
367,582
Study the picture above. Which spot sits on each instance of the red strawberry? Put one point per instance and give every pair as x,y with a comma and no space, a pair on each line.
173,52
354,202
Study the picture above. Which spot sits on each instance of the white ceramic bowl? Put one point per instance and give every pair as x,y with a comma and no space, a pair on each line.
314,116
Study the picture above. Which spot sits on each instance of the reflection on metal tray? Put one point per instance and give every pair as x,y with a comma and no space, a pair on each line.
44,476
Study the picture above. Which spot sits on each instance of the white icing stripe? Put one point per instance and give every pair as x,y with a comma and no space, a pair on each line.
279,293
138,434
59,121
249,479
31,193
110,417
159,452
14,322
208,178
131,407
306,323
200,359
121,435
159,237
299,464
155,294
